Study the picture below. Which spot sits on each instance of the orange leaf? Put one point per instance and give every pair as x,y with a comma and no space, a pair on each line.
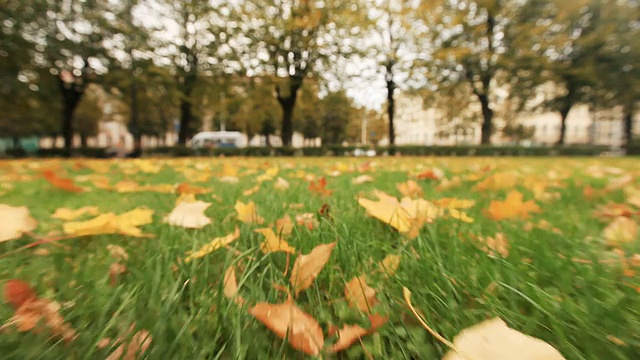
359,294
512,207
320,187
351,333
301,329
284,226
307,267
60,182
18,292
186,188
410,189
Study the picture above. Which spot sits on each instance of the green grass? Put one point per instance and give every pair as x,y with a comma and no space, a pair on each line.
537,289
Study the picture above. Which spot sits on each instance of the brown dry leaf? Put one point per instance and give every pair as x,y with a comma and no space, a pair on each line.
248,213
360,295
494,340
497,245
273,243
139,344
231,286
33,314
15,221
214,245
189,215
307,267
115,270
320,187
512,207
390,264
362,179
308,220
117,252
351,333
61,182
67,214
410,189
621,230
284,226
281,184
301,329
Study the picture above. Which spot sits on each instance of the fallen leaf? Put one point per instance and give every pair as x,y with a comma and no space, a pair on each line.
362,179
360,295
287,320
186,188
136,348
351,333
281,184
231,286
284,226
251,191
117,252
115,270
494,340
410,189
497,245
431,174
497,181
214,245
453,203
273,243
15,221
18,292
390,264
621,230
616,340
308,220
248,213
61,182
110,223
512,207
189,215
71,214
307,267
460,215
320,187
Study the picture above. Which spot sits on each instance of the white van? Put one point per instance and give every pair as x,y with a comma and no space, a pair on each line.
218,139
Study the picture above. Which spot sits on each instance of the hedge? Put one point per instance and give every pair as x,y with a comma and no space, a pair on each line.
332,150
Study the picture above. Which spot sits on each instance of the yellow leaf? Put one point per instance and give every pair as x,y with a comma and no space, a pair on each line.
189,215
621,230
247,213
231,286
70,214
273,243
15,221
281,184
392,214
460,215
287,320
494,340
410,189
497,245
110,223
390,264
307,267
214,245
186,198
359,294
284,226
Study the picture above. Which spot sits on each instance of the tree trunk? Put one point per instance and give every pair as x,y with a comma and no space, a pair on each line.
185,121
487,120
564,112
391,106
135,128
628,125
287,103
83,140
267,140
71,94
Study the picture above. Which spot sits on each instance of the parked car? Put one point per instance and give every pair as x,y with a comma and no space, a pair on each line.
217,139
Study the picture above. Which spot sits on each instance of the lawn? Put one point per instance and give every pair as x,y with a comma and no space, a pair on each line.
558,266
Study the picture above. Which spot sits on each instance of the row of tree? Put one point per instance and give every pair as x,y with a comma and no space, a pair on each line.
251,63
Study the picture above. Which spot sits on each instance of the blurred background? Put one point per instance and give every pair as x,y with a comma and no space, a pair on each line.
302,73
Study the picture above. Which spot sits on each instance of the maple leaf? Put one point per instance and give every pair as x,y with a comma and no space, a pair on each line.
410,189
71,214
287,320
460,215
359,294
34,314
15,221
251,191
189,215
284,226
273,243
281,184
248,213
110,223
231,286
307,267
612,211
60,182
453,203
349,334
497,181
186,198
117,252
320,187
361,179
135,349
388,211
431,174
390,264
512,207
128,186
115,271
186,188
621,230
494,340
497,245
214,245
308,220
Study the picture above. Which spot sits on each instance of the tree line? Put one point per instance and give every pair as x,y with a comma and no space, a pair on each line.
279,66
